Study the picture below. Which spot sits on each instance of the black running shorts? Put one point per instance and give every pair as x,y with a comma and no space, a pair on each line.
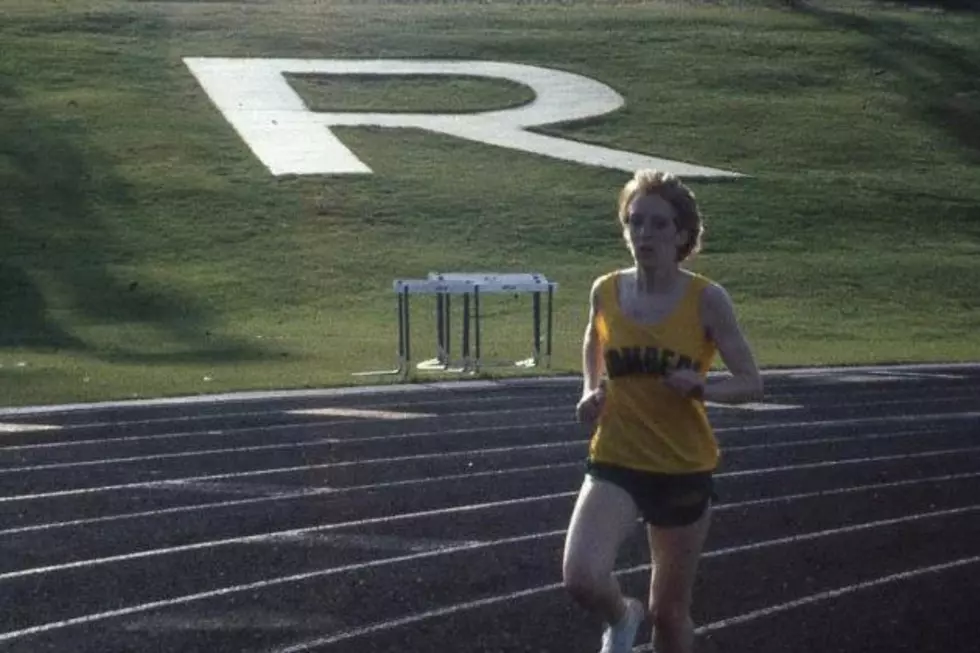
664,500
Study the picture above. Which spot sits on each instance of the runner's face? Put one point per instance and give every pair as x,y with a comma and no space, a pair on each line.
651,231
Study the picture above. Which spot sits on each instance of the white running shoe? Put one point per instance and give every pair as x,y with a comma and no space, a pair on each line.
618,638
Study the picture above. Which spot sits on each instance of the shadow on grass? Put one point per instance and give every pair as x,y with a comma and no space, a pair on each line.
24,320
945,5
57,255
940,80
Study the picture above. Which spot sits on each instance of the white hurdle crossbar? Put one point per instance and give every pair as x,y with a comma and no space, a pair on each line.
470,286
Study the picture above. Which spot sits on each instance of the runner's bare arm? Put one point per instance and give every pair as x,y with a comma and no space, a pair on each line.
593,366
744,383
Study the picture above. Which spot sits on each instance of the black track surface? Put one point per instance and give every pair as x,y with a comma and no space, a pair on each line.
849,523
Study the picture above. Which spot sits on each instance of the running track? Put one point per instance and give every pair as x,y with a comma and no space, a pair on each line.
848,521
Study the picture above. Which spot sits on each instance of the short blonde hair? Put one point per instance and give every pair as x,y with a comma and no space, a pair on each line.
672,190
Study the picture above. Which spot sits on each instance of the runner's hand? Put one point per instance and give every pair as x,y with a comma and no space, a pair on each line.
590,405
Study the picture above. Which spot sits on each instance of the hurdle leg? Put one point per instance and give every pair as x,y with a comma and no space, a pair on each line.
440,330
402,363
449,331
551,297
536,317
466,331
408,332
476,327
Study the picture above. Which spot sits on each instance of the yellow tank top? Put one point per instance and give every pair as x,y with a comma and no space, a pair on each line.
646,425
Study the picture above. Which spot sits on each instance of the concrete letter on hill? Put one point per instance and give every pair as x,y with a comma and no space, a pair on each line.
255,97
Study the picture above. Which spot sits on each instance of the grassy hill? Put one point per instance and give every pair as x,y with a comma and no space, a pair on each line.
146,251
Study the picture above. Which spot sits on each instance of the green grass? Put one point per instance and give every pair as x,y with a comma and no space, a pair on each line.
147,252
408,94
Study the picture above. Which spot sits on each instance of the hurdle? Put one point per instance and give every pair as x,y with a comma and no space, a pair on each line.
470,287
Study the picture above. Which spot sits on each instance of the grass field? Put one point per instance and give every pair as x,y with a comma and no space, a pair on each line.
146,251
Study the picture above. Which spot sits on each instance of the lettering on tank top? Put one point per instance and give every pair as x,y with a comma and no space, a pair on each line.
650,361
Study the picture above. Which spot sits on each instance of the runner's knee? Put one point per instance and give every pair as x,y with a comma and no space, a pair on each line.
670,615
582,579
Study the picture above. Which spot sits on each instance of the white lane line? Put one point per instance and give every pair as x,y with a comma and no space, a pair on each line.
823,596
384,411
319,442
864,378
460,607
226,398
282,446
853,489
272,582
917,375
298,494
404,389
879,376
11,427
857,421
360,413
450,400
295,468
176,419
906,402
227,621
373,542
754,406
282,495
310,492
256,490
388,519
297,426
237,431
171,483
264,538
835,593
933,370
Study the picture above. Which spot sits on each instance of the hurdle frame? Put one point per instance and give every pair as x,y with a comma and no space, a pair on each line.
470,287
